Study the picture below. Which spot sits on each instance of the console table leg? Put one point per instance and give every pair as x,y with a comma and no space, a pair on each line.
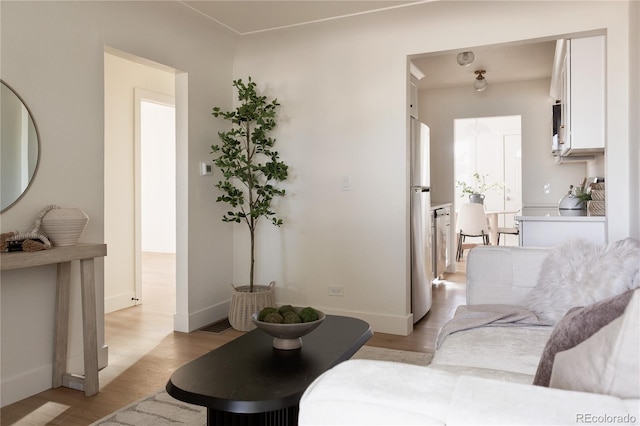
90,329
63,284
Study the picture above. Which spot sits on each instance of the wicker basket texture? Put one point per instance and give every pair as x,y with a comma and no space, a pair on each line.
596,208
244,303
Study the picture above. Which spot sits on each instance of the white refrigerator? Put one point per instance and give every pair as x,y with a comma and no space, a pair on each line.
421,218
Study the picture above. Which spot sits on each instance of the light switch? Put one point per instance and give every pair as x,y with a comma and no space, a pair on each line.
205,169
345,183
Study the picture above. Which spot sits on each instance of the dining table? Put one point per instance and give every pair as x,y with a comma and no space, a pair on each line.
492,216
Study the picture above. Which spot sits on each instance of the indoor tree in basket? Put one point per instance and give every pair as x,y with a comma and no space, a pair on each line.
250,167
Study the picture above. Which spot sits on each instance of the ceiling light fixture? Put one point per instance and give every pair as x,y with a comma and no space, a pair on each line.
481,83
465,58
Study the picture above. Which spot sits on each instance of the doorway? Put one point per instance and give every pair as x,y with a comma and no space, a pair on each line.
491,147
128,82
156,205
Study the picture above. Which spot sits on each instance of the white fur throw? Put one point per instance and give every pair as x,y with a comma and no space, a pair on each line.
579,273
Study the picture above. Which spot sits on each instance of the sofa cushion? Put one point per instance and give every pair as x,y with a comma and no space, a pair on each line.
607,362
378,393
579,273
514,350
479,401
578,325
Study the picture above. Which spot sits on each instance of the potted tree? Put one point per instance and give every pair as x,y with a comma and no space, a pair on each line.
250,168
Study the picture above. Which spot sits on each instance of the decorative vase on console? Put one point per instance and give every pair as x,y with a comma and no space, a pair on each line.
63,226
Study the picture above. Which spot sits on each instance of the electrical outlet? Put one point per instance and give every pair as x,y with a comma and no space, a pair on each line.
335,290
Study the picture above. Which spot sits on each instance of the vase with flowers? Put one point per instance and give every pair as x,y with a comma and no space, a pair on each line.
475,190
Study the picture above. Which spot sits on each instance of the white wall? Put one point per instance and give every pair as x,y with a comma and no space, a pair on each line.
342,85
52,55
530,100
343,88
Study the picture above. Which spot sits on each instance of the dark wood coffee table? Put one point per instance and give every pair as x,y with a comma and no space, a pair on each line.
248,382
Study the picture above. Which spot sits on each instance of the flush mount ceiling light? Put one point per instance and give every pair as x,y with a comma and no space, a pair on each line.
481,83
465,58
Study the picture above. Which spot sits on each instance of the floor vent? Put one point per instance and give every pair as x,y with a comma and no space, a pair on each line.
218,327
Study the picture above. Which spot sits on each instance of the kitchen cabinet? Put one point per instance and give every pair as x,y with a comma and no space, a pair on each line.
413,100
579,85
546,227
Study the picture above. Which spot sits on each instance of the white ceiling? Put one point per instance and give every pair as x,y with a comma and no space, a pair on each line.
246,17
503,63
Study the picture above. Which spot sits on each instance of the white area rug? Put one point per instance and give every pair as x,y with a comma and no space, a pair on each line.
160,409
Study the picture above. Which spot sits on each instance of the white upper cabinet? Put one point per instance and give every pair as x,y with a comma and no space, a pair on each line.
580,86
413,100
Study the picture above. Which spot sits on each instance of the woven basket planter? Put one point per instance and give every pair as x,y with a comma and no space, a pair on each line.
244,303
64,226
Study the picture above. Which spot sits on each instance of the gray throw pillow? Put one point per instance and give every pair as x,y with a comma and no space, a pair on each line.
576,326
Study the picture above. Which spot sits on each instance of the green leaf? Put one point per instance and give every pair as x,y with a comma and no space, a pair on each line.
245,157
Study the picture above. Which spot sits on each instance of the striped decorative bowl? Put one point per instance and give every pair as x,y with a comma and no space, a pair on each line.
63,227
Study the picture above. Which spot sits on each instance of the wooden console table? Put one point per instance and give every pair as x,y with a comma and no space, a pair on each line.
63,256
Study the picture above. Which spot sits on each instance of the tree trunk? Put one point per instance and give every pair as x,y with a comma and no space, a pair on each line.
253,238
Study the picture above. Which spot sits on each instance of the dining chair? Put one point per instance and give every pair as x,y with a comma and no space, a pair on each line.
507,231
471,222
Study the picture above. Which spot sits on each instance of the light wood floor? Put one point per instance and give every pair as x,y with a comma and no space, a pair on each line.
144,351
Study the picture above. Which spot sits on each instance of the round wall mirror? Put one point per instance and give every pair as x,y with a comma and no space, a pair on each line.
19,149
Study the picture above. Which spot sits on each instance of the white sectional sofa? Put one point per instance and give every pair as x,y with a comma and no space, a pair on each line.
484,375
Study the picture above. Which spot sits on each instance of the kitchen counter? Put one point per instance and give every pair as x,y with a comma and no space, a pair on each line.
553,214
550,227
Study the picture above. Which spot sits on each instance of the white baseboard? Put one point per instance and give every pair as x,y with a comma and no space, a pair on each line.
187,323
119,301
103,357
34,381
75,362
392,324
25,384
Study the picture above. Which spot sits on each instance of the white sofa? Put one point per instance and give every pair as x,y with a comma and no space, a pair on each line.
477,376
